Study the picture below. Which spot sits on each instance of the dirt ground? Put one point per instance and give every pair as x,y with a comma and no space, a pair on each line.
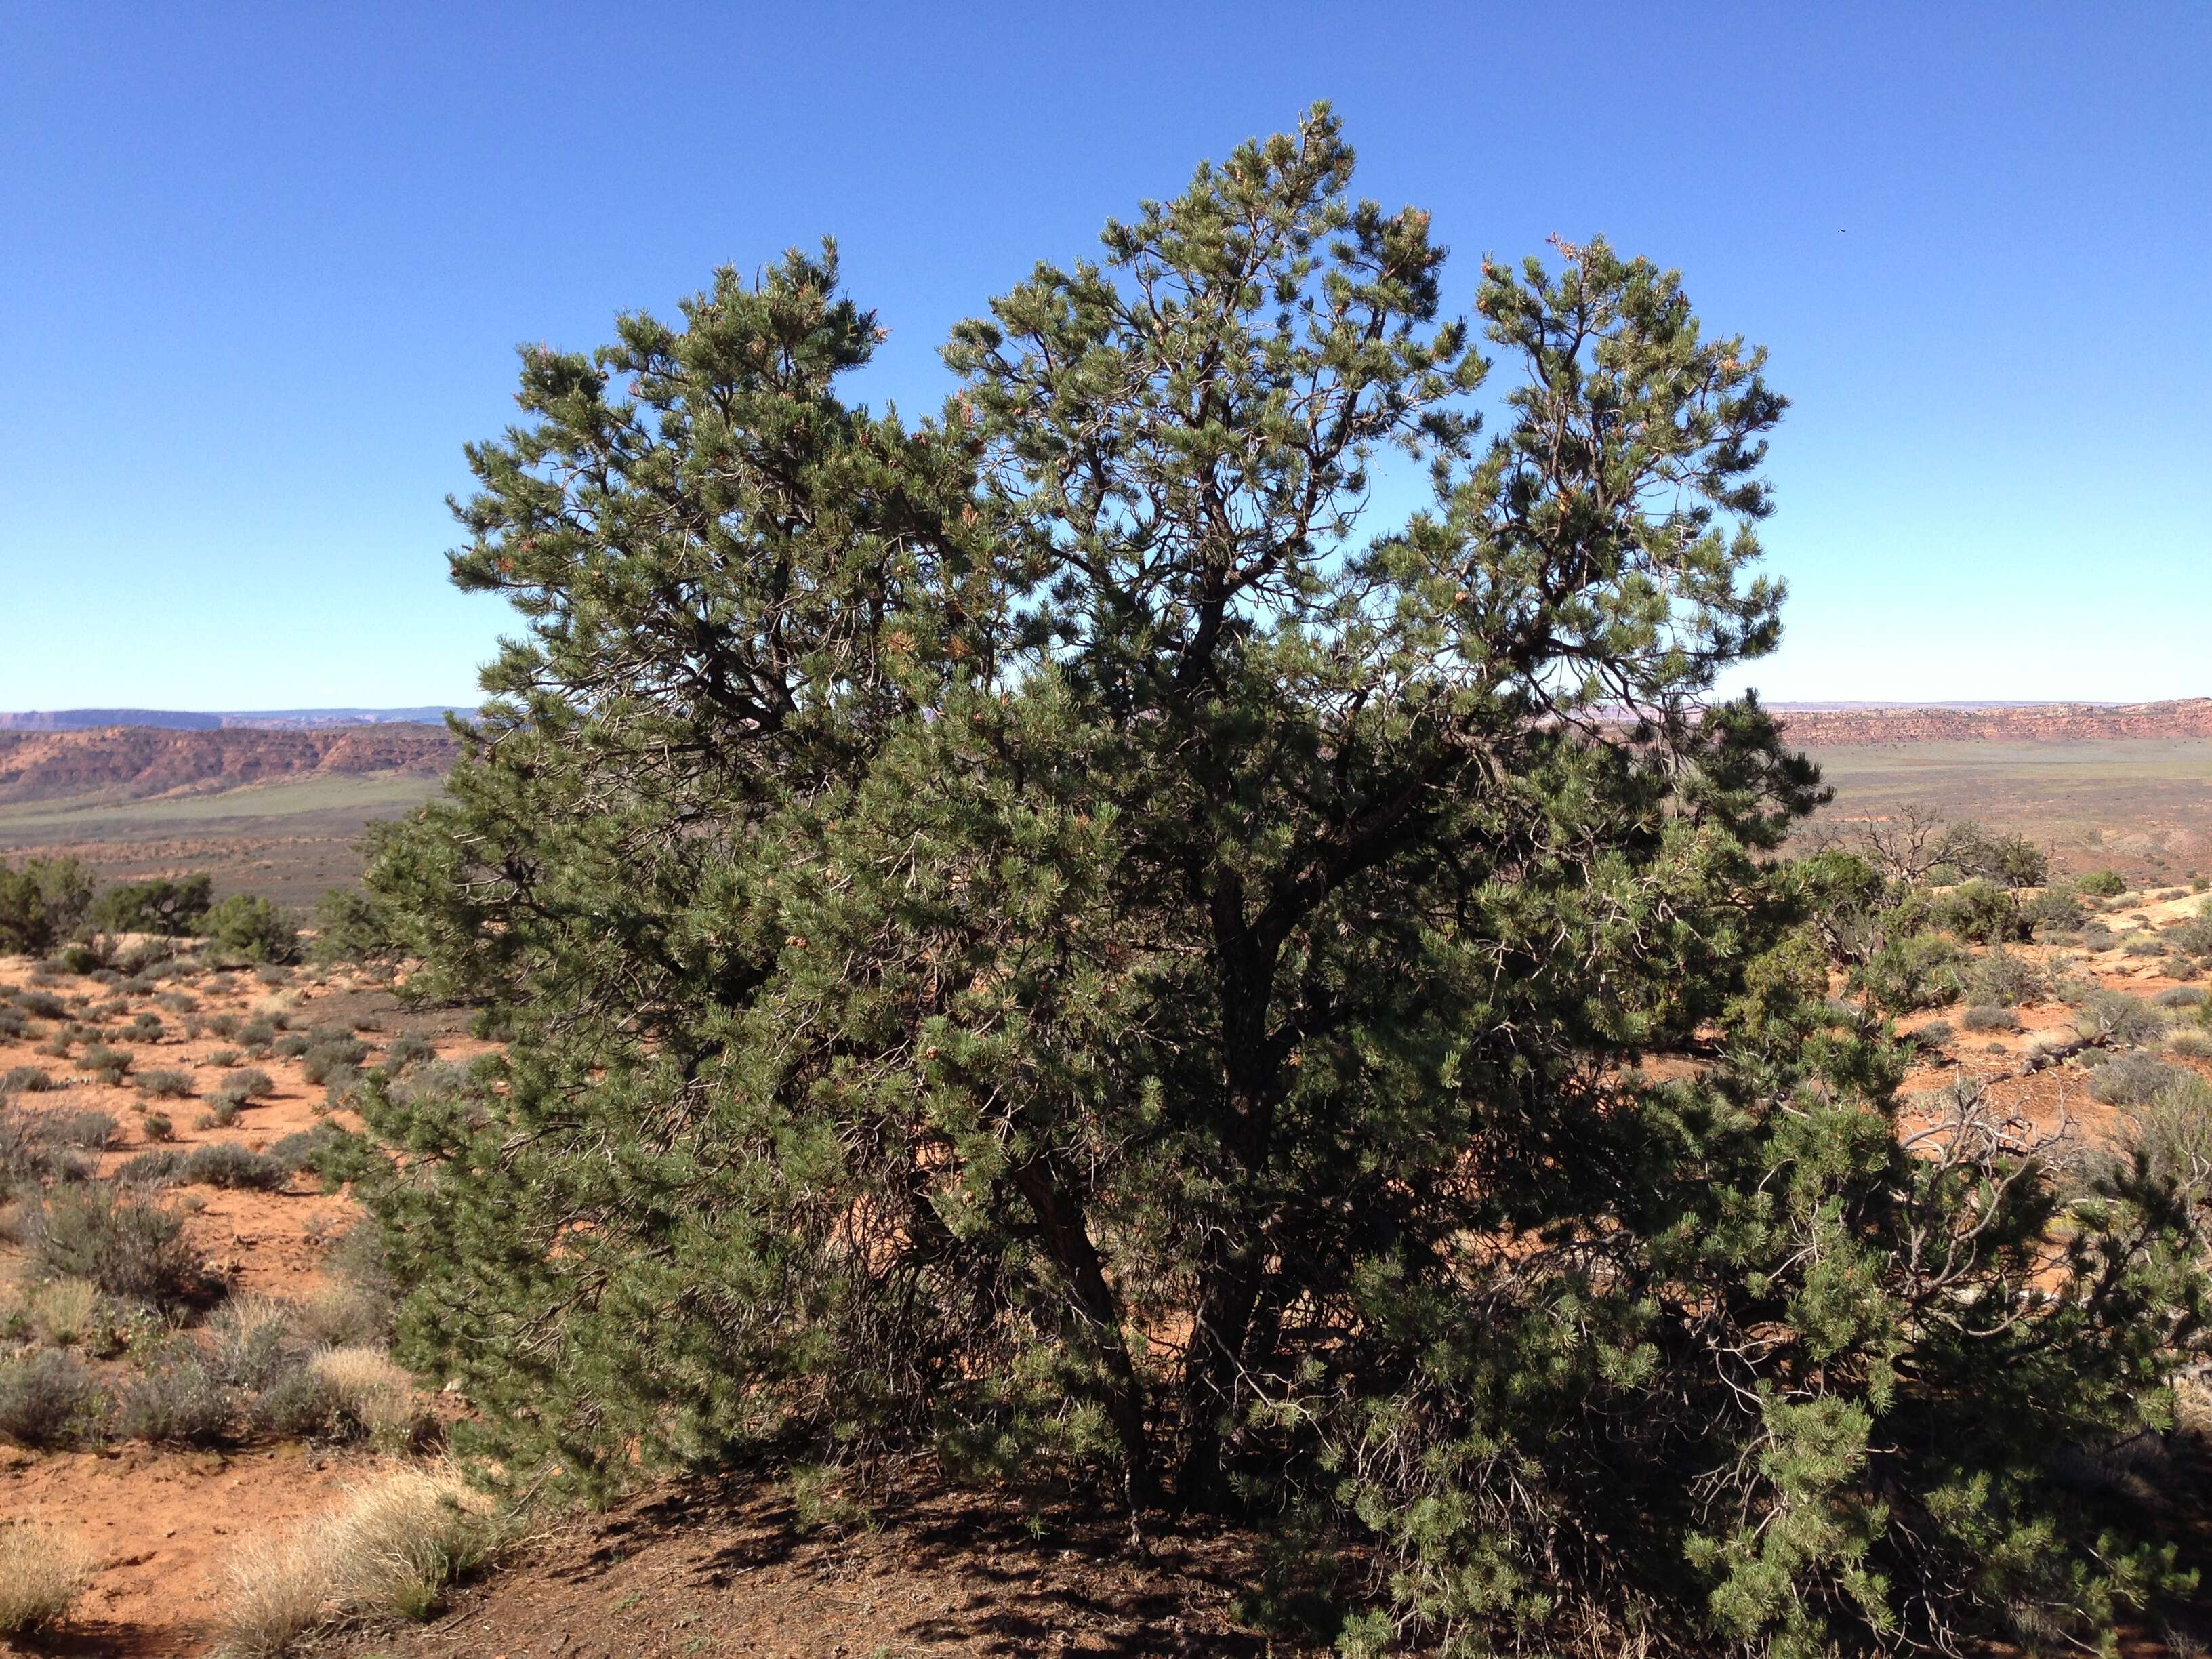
163,1521
726,1572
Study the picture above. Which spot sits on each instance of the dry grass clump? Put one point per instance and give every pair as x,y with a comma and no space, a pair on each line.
389,1552
43,1570
64,1312
370,1389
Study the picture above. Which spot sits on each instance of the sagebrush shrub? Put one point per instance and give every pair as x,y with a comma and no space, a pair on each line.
129,1247
48,1398
2004,980
2118,1018
2132,1080
178,1401
109,1065
219,1164
249,1082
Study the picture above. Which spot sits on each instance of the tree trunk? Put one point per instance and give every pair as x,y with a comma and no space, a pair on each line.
1066,1238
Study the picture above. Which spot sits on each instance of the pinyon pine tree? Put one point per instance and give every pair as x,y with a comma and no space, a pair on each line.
1049,931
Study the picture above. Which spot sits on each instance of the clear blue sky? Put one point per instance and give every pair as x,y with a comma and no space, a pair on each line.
263,267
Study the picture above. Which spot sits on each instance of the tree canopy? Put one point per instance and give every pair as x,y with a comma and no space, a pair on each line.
1056,932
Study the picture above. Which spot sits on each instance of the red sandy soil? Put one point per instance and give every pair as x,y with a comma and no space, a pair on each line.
724,1571
162,1520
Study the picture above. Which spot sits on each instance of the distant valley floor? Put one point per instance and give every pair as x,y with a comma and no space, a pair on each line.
2143,806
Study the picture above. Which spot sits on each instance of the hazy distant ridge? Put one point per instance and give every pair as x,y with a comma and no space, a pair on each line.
265,719
2187,718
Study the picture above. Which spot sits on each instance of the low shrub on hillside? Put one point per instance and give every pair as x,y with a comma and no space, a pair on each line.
1919,971
327,1058
109,1065
86,1129
177,1401
246,928
26,1080
1979,912
165,1082
48,1398
2004,980
2102,883
131,1248
156,1167
2195,935
249,1082
2132,1080
219,1163
1990,1017
2114,1017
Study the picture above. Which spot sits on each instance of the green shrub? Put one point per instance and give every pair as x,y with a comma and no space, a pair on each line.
2132,1080
304,1149
87,1128
26,1080
48,1398
155,1167
245,927
249,1083
329,1055
109,1065
41,903
351,925
219,1163
297,1405
1919,971
160,905
2195,935
1984,855
2102,883
220,1114
2115,1017
291,1045
1989,1018
178,1403
43,1005
157,1126
2055,908
2179,996
2003,980
1979,912
130,1249
165,1083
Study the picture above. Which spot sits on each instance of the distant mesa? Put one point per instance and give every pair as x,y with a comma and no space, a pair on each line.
266,720
1843,726
116,761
